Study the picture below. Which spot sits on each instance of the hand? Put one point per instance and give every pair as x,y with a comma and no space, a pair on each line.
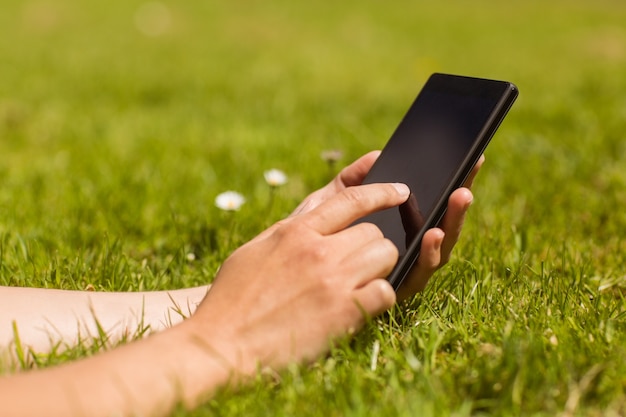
438,242
285,295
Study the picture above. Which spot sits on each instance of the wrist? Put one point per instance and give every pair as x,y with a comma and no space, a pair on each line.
215,350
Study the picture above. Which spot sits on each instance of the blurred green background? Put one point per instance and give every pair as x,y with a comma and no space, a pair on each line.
121,121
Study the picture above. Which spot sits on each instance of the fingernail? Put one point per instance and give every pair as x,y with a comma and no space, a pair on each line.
402,189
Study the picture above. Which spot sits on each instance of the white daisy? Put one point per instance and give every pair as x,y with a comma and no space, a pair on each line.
275,177
229,200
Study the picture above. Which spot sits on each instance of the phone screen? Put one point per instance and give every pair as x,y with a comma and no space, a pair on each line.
434,149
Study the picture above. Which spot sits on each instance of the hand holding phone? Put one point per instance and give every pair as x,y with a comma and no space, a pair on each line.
433,151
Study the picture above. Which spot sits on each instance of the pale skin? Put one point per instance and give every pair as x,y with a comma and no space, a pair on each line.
62,317
283,297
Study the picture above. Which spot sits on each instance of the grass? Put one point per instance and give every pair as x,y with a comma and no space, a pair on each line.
114,144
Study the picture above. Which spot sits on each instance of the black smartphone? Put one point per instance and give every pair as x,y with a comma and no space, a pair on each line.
433,151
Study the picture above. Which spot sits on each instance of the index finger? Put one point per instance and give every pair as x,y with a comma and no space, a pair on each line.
351,204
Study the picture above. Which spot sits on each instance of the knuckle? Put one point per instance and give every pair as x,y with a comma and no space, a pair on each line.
327,285
391,248
353,195
370,229
292,235
317,253
288,228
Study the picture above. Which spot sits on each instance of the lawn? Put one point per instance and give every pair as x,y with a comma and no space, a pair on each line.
121,121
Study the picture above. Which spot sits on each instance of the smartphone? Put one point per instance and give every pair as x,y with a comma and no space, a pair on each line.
433,150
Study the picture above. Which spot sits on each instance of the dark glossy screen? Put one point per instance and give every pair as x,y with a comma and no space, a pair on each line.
429,148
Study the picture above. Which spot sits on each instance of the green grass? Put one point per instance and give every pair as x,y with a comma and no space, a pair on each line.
114,144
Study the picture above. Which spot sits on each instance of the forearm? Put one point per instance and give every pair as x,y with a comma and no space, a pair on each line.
145,378
45,317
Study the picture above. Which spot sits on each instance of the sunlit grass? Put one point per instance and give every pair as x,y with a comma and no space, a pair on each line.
120,123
